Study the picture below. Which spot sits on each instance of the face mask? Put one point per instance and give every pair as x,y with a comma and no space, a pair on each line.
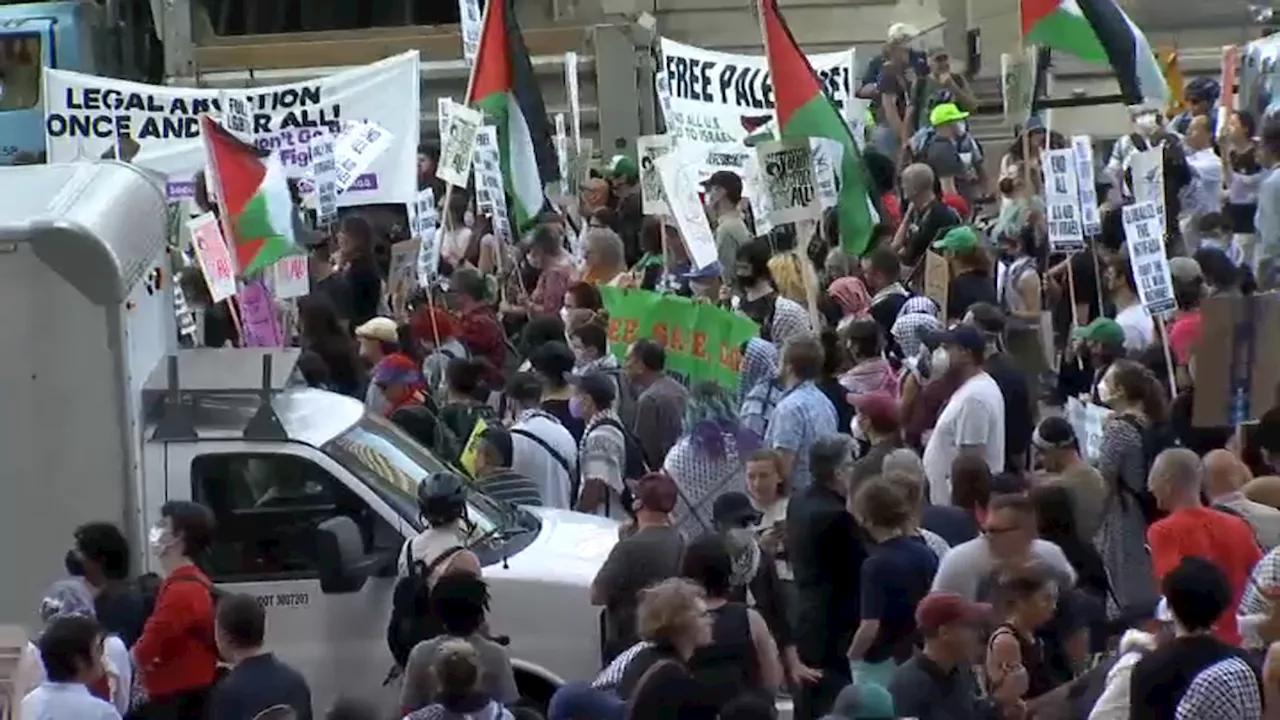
1146,124
74,564
575,407
156,539
939,362
740,538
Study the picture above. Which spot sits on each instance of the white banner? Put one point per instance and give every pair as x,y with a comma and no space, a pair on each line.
1082,151
650,148
680,181
1062,201
718,97
83,113
790,181
1087,420
1144,235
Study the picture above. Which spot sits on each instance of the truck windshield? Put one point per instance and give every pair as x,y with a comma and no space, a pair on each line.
20,69
392,464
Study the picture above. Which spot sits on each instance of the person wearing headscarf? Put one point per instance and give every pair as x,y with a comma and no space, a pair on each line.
606,260
759,363
918,314
398,378
708,459
851,295
71,597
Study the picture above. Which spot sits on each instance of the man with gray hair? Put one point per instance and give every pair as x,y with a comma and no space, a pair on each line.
926,218
1191,528
826,557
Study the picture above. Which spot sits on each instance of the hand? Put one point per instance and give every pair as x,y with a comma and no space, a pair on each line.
802,674
771,540
1271,667
946,79
1012,685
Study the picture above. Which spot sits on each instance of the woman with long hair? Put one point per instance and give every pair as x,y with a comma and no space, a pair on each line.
1243,174
1139,417
648,270
972,271
759,364
708,460
605,257
357,264
320,332
455,231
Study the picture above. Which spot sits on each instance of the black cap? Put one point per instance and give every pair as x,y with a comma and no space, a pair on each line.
728,181
965,336
734,509
598,386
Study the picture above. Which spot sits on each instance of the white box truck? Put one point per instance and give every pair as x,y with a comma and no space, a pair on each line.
104,418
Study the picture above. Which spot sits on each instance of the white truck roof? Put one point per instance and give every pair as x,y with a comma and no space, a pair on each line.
84,219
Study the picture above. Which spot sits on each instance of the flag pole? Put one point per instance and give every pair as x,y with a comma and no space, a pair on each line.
215,183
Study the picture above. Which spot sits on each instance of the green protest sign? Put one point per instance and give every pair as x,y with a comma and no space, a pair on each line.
703,342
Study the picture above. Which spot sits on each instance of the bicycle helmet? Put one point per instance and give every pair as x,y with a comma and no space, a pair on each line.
442,497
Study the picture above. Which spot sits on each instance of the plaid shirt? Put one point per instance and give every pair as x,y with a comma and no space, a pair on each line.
802,416
789,319
1226,690
1254,606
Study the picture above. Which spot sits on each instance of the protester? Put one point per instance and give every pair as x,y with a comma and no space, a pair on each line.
707,460
1056,522
493,474
724,195
458,672
882,273
836,363
909,480
1058,452
1225,475
876,427
803,415
553,363
542,448
603,452
1243,175
100,557
927,217
358,267
660,400
1015,385
778,317
321,333
972,271
258,680
674,617
871,371
398,381
605,258
478,327
116,684
760,384
441,546
71,651
952,152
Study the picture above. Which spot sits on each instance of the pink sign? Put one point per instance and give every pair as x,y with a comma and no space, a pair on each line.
258,316
214,256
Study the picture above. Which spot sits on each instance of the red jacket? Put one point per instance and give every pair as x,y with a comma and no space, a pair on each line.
177,651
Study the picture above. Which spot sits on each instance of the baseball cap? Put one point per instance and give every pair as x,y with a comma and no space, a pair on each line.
1185,270
702,273
656,492
726,180
961,237
902,32
622,166
1103,330
734,509
396,369
382,329
944,113
879,408
939,609
965,336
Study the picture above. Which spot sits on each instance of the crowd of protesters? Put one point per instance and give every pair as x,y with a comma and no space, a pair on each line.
888,517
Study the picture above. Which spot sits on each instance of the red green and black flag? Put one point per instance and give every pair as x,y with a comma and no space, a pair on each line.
504,87
805,111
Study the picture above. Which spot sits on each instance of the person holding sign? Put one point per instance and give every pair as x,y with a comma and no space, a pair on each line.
724,196
972,279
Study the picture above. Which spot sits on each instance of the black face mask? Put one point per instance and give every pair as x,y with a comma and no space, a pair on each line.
74,564
746,281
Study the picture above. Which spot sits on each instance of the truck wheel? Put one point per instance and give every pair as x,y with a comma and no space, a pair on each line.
535,692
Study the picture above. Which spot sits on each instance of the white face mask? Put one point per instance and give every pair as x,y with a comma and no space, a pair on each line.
1146,123
564,316
157,541
939,361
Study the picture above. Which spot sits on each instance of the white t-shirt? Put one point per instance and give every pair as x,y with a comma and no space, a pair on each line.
973,416
533,461
1139,328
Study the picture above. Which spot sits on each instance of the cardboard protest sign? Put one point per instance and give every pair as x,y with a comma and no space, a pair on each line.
1062,201
828,158
650,148
680,183
355,149
258,316
459,146
402,276
423,223
324,179
1144,236
717,98
1147,169
444,109
85,113
789,179
470,18
213,256
1017,85
937,278
703,341
1082,152
1087,420
1236,375
291,277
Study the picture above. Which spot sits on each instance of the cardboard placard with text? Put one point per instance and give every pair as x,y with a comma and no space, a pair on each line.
937,279
1236,382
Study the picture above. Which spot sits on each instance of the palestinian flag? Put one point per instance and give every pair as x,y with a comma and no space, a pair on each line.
1098,31
804,111
253,198
504,87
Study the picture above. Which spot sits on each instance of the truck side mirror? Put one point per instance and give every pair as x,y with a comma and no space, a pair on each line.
343,566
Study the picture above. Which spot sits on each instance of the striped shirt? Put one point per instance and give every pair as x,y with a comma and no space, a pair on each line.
511,487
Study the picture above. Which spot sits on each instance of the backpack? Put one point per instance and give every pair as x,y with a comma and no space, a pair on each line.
1155,440
634,465
411,618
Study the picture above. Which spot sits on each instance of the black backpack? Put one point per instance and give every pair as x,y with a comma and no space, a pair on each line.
1155,440
411,618
634,465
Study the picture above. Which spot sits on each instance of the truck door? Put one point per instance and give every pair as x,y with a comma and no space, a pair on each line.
267,500
26,48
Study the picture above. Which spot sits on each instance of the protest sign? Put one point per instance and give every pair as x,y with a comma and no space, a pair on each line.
753,190
716,97
1017,85
562,156
402,277
324,179
290,277
423,221
1082,152
236,116
650,148
444,109
470,19
258,316
1087,420
855,115
787,170
187,326
575,99
1147,169
1062,201
1236,377
459,146
488,168
84,114
703,341
355,149
937,278
681,187
828,157
1144,233
213,256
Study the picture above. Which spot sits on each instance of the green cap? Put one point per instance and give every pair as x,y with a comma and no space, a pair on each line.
961,237
1101,330
944,113
622,166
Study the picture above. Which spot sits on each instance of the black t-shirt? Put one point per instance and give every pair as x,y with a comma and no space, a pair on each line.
967,288
837,394
1085,278
924,226
885,313
337,292
892,81
366,291
1019,411
896,576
